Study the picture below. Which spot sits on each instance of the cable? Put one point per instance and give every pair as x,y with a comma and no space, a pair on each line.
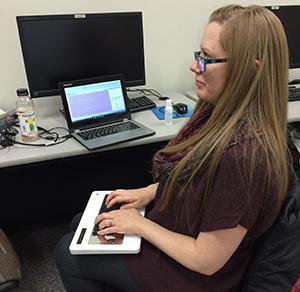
13,141
148,91
52,143
50,134
8,137
175,113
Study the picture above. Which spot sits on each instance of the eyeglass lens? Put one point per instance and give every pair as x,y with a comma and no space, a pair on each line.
201,62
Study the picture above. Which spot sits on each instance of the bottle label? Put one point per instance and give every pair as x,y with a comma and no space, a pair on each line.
27,123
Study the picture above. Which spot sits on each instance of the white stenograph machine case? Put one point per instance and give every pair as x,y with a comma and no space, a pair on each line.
84,242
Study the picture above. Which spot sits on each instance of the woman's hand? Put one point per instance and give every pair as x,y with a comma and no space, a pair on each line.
120,221
133,198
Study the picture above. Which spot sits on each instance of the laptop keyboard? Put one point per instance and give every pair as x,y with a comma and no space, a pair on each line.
107,130
140,103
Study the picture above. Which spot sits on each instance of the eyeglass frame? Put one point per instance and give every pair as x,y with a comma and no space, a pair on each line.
202,61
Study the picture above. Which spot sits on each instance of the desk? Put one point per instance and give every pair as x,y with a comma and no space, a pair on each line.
48,116
293,107
54,183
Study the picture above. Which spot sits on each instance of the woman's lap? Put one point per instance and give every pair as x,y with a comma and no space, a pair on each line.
95,271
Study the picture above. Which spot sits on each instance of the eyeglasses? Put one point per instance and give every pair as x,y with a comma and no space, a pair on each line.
203,61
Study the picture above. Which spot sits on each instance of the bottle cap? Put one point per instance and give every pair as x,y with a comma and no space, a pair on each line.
22,91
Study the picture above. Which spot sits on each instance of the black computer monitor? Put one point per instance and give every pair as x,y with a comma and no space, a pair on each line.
60,48
289,16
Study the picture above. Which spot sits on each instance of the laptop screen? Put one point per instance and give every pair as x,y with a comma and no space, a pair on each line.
95,100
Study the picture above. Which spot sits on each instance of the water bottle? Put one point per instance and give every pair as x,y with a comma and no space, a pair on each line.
26,114
168,112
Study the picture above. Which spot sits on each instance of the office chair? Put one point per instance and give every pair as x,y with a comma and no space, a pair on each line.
275,264
10,267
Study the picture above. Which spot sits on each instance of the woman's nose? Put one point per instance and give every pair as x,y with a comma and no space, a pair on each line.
194,67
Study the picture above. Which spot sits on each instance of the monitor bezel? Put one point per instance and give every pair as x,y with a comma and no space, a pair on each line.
272,8
37,18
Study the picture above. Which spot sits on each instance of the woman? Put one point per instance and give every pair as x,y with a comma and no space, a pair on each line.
219,184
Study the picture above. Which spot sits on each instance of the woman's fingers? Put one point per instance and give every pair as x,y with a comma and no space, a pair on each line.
118,198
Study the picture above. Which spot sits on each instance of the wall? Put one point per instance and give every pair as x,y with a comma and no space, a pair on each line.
172,32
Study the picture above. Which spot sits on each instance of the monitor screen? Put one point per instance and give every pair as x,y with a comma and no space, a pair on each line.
58,48
290,19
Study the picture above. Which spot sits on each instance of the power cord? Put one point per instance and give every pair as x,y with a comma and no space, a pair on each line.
48,134
148,92
8,137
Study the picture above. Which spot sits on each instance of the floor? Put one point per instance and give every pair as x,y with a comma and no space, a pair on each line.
35,247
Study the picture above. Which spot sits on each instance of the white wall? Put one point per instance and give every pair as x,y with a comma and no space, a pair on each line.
172,31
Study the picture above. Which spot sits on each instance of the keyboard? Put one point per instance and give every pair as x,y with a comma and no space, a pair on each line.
103,208
294,93
107,130
140,103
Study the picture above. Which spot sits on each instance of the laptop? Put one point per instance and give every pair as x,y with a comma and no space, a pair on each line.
97,111
85,241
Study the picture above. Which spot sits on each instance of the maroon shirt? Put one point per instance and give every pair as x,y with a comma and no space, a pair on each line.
232,201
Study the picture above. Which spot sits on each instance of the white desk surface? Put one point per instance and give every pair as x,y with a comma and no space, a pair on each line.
293,107
48,116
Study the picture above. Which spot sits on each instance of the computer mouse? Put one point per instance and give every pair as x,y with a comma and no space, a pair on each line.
180,108
294,81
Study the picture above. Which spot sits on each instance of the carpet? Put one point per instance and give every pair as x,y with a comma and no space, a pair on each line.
35,247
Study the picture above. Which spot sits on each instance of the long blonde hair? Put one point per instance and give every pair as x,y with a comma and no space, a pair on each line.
255,92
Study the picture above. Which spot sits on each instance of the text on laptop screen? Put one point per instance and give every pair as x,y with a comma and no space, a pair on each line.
95,100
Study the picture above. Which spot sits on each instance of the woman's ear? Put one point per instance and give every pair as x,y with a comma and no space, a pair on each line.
257,62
